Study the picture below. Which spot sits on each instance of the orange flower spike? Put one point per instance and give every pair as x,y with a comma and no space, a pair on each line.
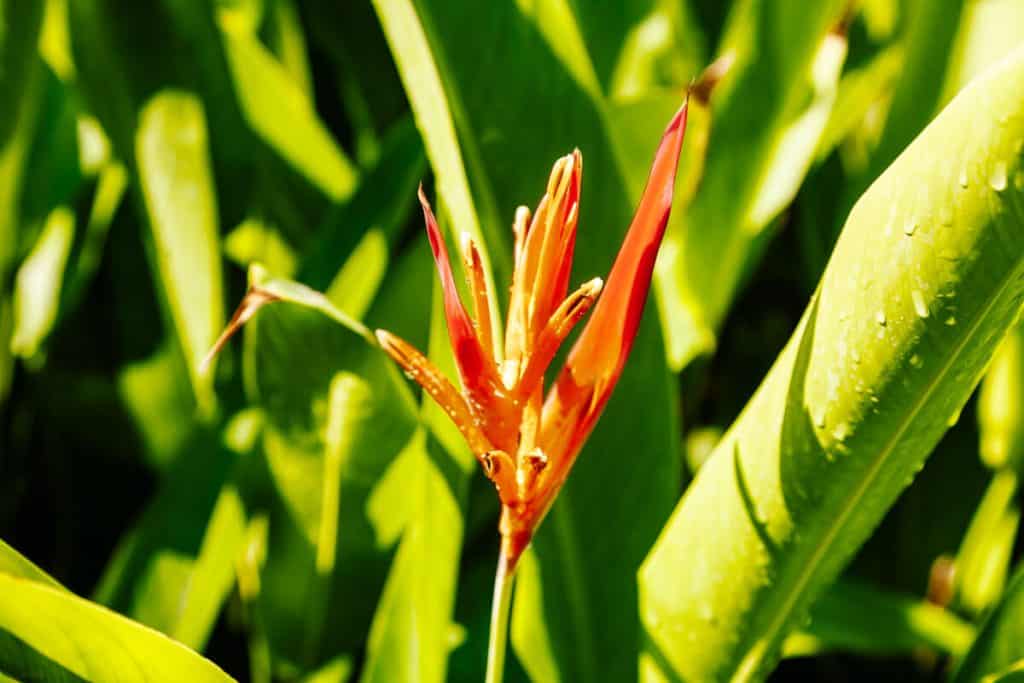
526,443
595,362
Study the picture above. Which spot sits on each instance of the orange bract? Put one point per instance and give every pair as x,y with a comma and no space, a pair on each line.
527,443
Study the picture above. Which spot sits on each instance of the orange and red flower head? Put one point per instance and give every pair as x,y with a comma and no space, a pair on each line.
527,442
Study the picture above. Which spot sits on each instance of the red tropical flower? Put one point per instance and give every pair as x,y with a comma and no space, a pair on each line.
527,442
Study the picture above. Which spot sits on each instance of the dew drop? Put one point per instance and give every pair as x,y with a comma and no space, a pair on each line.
880,318
920,307
915,361
910,227
998,178
841,431
946,215
963,177
951,321
819,417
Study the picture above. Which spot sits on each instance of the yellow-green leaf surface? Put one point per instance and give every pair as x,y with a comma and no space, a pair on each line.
38,284
282,115
47,634
175,180
786,58
925,280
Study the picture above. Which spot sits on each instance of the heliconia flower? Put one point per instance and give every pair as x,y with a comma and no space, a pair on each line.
527,442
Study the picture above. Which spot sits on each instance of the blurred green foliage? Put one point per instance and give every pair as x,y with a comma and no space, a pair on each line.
296,511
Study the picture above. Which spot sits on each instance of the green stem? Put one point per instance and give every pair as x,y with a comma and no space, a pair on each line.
504,578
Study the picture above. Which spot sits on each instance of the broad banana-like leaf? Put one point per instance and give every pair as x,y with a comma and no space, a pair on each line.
923,283
49,634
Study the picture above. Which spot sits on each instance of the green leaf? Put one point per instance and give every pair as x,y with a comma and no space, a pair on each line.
48,634
38,283
297,348
1013,674
907,316
786,58
983,561
174,569
856,617
1000,642
17,565
283,117
177,189
21,87
1001,406
422,72
409,638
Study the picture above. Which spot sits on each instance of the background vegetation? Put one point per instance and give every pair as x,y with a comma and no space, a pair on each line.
299,513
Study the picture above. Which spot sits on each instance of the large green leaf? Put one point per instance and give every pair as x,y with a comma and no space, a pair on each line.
786,58
904,321
48,634
1000,642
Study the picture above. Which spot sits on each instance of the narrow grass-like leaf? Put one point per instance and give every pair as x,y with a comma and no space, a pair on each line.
282,115
1000,642
176,184
854,617
424,80
38,284
47,633
924,281
173,570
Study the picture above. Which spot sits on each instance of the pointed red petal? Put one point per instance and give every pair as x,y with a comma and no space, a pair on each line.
596,360
473,363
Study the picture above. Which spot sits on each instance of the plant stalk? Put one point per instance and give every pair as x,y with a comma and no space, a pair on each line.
504,578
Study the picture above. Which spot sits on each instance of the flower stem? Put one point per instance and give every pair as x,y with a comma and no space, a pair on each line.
504,577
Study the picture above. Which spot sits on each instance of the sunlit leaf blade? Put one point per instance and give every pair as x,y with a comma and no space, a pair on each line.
855,617
983,562
787,59
436,110
38,284
17,565
176,184
1012,674
174,569
283,117
904,322
47,633
1000,642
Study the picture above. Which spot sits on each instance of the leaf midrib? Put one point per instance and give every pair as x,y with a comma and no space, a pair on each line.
751,663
